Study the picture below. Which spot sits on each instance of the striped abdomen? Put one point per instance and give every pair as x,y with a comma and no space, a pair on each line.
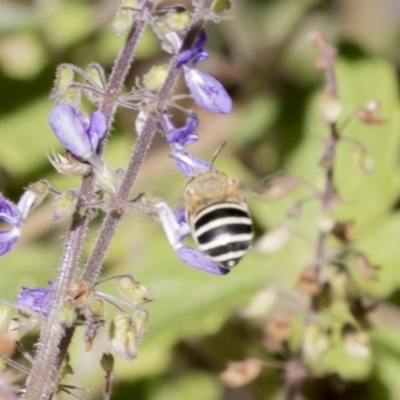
223,231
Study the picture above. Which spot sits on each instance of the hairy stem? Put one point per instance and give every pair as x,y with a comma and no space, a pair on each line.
42,380
327,197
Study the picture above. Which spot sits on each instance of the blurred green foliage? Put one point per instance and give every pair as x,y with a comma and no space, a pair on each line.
264,58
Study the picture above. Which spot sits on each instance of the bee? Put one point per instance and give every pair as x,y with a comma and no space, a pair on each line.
218,217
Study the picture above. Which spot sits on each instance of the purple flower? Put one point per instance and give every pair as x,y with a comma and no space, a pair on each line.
197,260
196,54
178,139
176,228
35,300
14,215
207,92
79,136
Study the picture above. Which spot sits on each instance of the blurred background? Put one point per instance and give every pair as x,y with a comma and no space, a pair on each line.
263,57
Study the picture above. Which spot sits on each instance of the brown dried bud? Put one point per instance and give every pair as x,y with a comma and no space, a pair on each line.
80,292
308,282
370,113
341,231
366,269
278,327
241,373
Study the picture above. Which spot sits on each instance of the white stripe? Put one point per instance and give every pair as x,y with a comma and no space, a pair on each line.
229,256
224,240
221,222
217,206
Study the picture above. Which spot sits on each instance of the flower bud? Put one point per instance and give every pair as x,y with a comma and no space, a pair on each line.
71,96
65,368
155,78
41,190
330,108
95,310
326,222
221,5
96,75
316,342
261,304
141,318
273,241
132,291
64,205
5,314
356,343
122,21
64,78
123,337
363,160
107,362
178,21
67,314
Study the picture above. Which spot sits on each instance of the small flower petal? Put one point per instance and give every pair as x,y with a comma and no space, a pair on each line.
196,54
189,164
97,128
8,239
197,260
10,214
80,138
207,92
36,300
185,135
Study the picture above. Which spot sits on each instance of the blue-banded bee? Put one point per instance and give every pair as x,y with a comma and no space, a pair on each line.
218,216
